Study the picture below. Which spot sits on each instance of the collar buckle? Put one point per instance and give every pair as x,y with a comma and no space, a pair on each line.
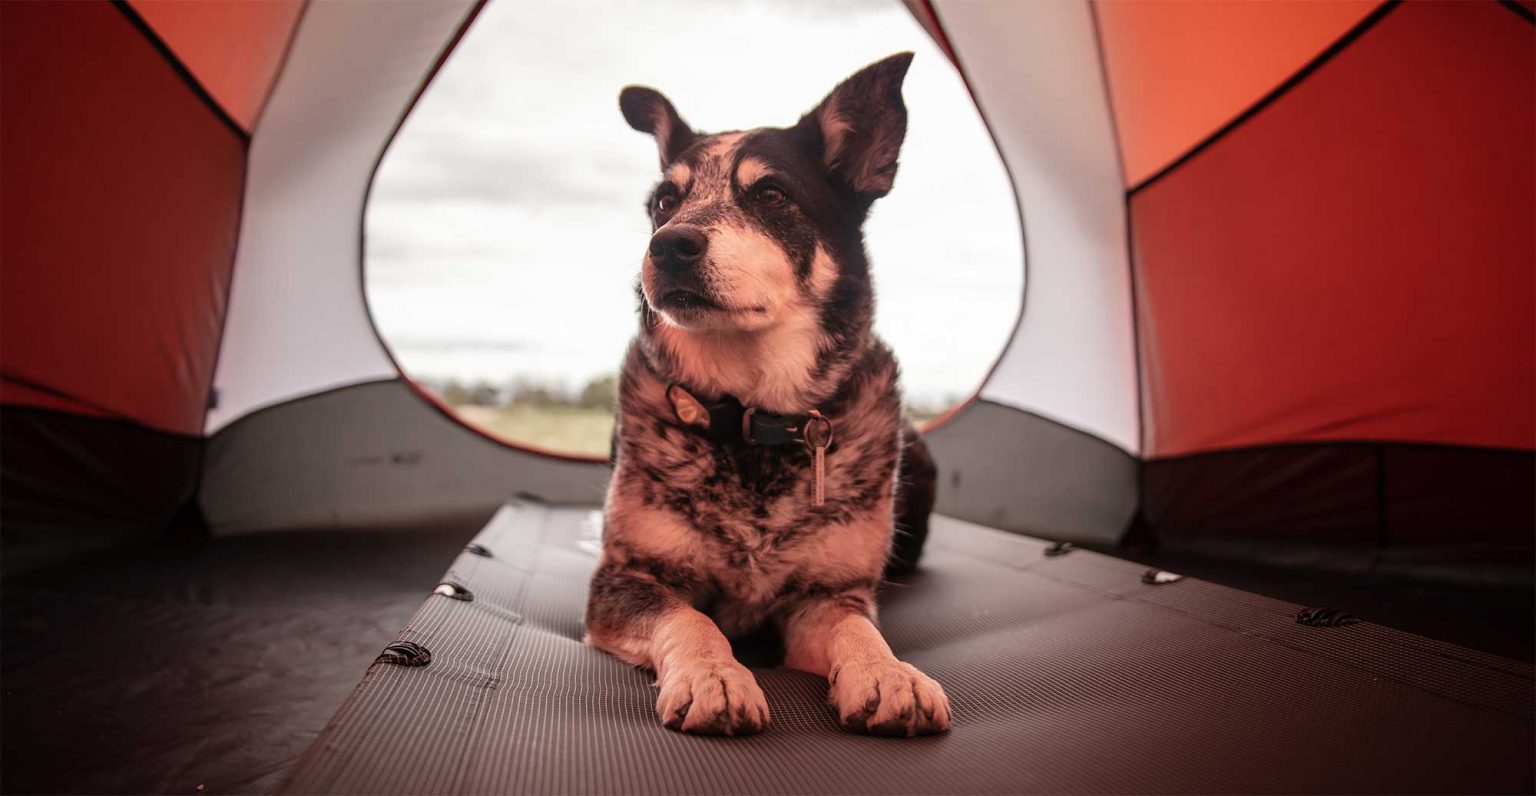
746,425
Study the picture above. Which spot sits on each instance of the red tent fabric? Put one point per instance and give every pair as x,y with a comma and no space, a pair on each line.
1354,261
119,214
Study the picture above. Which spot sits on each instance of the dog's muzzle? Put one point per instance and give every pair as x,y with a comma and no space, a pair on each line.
677,249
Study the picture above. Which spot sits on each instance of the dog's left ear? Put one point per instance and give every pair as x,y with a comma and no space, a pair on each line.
861,125
648,111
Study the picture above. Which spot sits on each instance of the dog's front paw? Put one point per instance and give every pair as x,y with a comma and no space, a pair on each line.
712,699
888,697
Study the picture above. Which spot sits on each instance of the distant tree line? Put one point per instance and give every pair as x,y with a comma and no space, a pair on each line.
599,393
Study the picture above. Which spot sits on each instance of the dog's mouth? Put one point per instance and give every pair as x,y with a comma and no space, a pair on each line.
683,300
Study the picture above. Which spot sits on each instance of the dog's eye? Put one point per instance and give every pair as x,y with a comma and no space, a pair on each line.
771,196
666,203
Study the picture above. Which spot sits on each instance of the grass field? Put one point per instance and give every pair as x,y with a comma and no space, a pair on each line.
563,428
568,429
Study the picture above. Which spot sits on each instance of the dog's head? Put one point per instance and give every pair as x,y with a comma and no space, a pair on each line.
757,227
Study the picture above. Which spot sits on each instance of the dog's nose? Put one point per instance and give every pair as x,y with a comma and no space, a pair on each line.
676,249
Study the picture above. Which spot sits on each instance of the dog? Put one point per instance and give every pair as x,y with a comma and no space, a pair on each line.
760,441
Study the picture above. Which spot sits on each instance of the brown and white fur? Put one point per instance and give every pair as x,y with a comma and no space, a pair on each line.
756,285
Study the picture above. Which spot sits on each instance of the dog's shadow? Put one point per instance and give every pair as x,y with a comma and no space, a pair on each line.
763,648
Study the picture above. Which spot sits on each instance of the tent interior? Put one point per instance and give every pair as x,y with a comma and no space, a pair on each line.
1246,504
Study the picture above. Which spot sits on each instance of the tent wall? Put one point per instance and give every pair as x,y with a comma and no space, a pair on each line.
1332,253
1049,446
1353,262
121,202
369,456
71,483
1035,74
1450,512
120,210
298,322
1012,469
233,49
315,426
1179,71
1322,309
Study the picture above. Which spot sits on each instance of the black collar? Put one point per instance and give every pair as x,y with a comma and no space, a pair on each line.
728,421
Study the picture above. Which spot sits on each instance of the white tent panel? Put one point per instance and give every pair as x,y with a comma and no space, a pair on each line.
1035,70
297,323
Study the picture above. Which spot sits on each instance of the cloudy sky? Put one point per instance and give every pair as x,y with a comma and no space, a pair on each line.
506,227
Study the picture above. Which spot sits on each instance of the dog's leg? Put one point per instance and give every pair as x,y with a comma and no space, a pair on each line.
703,689
917,485
872,691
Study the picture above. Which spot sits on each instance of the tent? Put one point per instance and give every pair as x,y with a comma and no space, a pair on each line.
1280,302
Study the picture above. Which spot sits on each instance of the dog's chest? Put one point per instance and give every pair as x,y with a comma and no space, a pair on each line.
749,514
748,501
741,519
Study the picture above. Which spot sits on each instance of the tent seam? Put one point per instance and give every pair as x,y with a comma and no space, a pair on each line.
65,395
282,67
1312,66
180,68
245,189
1520,10
1130,269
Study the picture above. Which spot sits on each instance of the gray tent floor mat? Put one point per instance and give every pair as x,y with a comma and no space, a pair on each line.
198,665
1067,674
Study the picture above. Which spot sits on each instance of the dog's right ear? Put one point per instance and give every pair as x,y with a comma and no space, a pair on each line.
859,127
648,111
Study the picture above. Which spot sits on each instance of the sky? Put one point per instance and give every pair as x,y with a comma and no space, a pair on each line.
506,226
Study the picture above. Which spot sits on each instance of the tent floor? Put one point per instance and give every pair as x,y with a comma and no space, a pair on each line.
215,663
1497,617
1066,673
209,663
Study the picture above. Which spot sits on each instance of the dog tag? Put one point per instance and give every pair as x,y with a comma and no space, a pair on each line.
687,408
818,435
